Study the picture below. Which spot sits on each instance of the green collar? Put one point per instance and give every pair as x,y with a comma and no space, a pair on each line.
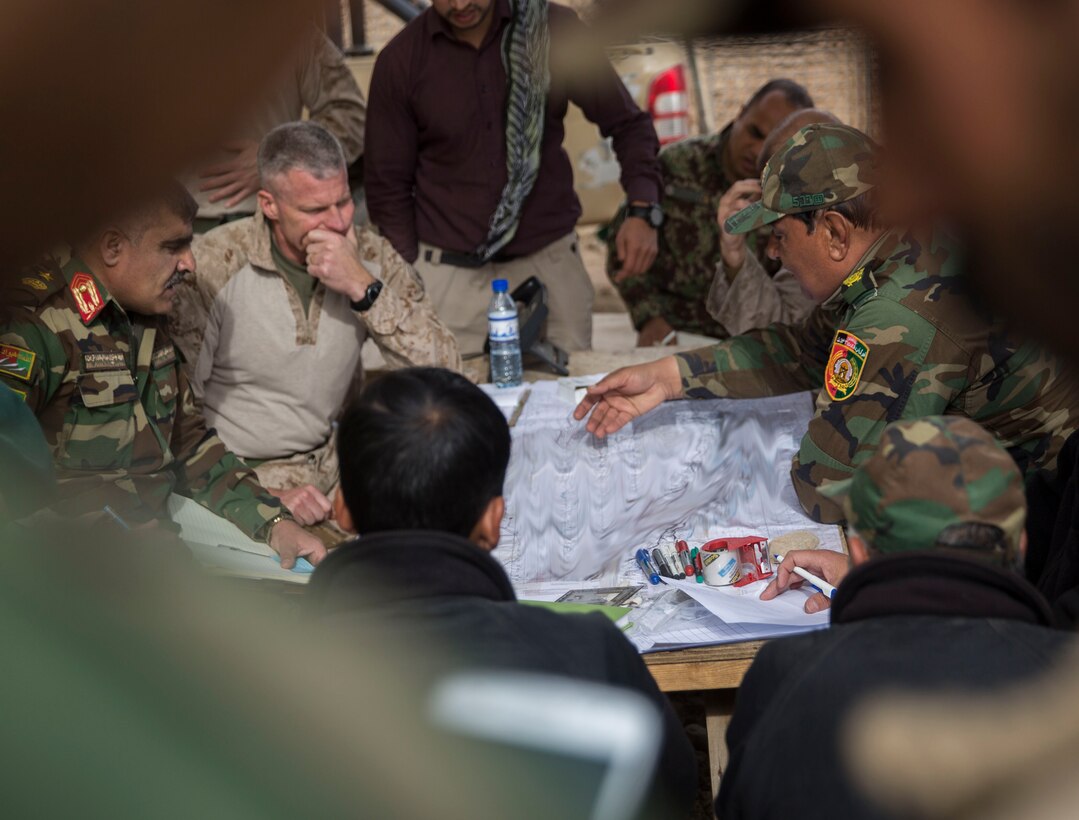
283,263
861,283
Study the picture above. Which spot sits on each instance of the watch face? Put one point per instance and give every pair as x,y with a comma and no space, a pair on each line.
655,216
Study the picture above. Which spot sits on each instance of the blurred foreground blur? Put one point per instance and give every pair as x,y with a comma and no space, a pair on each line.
135,686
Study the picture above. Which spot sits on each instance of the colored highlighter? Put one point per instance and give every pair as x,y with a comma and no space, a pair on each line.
698,566
686,558
673,562
661,563
646,566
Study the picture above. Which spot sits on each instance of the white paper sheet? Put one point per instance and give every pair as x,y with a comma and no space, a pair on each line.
222,547
577,507
742,605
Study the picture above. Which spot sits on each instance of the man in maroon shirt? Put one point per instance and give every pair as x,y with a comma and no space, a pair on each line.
441,153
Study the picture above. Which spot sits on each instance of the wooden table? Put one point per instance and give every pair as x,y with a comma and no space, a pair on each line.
718,672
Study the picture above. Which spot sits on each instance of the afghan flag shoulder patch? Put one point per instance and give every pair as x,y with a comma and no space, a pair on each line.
17,362
845,365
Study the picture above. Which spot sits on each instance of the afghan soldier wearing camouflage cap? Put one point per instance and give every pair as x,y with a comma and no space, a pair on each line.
933,602
697,172
895,336
85,345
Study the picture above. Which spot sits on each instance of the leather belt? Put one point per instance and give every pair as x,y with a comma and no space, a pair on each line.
463,260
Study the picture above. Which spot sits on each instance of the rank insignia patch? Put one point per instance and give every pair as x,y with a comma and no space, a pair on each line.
34,283
845,365
87,297
854,278
17,362
164,356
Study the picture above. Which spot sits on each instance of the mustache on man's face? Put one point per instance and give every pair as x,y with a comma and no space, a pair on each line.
176,278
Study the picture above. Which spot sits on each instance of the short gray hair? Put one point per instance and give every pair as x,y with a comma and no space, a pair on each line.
305,145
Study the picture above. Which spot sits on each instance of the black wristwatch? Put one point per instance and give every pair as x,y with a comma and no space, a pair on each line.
652,214
373,290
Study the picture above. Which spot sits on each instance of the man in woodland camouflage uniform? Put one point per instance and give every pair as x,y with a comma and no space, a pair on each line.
697,172
933,602
86,347
895,337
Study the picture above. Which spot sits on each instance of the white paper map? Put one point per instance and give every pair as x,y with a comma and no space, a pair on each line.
577,507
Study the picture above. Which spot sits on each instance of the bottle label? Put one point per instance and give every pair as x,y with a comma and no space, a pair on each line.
502,328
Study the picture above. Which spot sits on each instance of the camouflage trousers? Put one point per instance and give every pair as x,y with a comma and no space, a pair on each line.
317,467
461,295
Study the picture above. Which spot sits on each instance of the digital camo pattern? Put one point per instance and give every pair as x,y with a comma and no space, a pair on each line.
402,322
117,412
929,474
823,164
929,353
676,286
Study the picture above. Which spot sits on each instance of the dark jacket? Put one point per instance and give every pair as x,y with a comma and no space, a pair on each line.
452,607
916,622
1052,562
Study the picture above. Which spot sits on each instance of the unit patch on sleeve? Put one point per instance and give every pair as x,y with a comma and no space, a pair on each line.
17,362
845,365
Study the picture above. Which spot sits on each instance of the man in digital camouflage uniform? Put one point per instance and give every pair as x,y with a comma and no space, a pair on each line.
86,347
671,294
273,321
933,602
895,337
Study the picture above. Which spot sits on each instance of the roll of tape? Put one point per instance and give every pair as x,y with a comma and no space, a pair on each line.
720,567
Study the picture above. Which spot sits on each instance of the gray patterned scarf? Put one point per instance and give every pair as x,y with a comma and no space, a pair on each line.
525,48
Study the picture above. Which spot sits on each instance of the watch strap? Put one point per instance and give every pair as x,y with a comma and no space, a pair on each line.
369,297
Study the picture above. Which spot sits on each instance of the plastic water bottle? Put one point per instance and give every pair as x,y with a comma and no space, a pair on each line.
504,336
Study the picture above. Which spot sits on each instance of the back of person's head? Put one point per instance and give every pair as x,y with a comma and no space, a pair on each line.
305,145
795,93
794,123
421,449
940,483
170,198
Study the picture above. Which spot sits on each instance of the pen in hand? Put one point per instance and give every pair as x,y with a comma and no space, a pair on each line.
818,584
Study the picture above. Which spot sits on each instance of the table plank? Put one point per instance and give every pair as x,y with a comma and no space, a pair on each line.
705,667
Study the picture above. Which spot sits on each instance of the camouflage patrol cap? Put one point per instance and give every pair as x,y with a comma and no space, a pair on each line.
822,164
930,473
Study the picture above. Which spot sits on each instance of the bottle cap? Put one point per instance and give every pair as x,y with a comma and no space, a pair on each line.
500,286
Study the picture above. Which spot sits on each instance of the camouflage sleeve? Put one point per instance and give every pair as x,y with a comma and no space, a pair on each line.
768,362
332,96
909,371
403,321
754,299
32,361
192,322
212,475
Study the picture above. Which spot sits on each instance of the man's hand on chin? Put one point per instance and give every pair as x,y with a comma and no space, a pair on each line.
333,258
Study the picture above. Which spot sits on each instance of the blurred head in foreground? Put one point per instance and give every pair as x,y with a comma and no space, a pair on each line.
942,483
423,449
